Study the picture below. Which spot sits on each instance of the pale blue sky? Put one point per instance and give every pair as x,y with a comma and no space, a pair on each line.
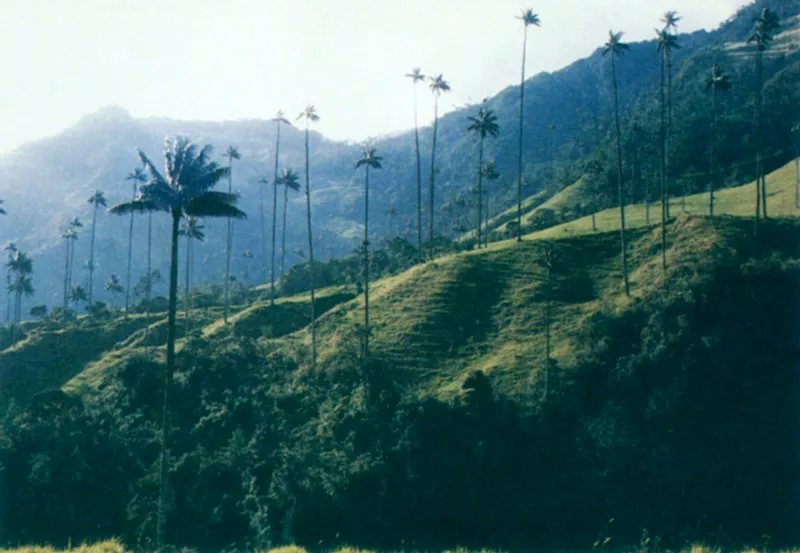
233,59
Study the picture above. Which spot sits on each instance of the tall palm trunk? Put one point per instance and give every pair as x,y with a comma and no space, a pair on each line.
148,293
433,174
283,229
188,291
668,134
91,256
663,160
263,225
619,181
519,145
311,263
8,296
163,484
228,248
713,149
275,212
761,186
66,275
130,260
797,168
480,191
366,264
72,265
419,178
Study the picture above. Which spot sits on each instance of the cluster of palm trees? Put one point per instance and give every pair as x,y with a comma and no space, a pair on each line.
765,27
20,283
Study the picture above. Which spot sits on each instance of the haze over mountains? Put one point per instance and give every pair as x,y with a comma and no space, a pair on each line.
46,183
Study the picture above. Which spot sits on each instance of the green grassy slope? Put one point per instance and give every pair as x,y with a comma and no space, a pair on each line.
439,321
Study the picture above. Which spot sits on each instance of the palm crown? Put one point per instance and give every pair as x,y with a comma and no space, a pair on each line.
529,18
615,46
289,179
232,153
484,124
765,27
369,158
185,187
670,20
438,84
310,114
718,79
280,117
490,172
416,75
666,41
20,264
193,229
98,198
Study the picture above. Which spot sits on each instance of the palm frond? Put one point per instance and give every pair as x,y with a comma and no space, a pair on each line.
136,206
211,205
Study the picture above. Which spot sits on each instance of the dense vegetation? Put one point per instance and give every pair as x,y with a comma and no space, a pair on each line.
603,379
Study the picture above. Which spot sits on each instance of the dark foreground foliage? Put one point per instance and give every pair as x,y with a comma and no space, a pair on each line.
679,415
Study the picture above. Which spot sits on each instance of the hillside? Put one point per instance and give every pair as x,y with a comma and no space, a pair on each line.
46,183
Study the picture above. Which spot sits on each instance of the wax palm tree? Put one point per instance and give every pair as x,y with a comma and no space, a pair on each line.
614,48
192,230
279,120
231,153
369,160
483,125
718,81
114,287
138,177
97,199
796,134
71,236
311,116
417,76
438,86
670,20
21,267
78,294
290,181
10,248
391,214
183,190
490,173
766,25
666,43
528,18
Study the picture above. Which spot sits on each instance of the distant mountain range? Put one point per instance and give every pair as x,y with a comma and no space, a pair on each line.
46,183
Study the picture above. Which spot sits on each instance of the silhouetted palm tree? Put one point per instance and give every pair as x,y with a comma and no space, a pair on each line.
290,181
192,230
369,160
20,266
231,153
138,176
114,287
278,120
766,25
417,76
718,81
483,125
437,85
613,48
183,190
97,199
310,115
489,173
666,43
70,235
670,20
78,294
528,18
10,249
